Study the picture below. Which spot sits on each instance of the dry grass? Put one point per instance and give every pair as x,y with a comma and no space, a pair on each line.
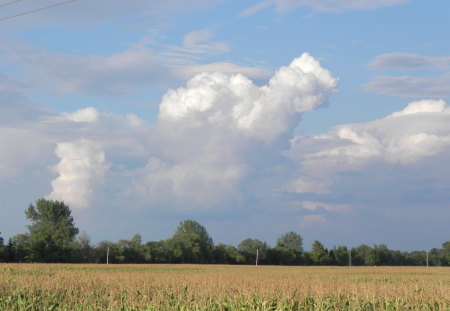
195,287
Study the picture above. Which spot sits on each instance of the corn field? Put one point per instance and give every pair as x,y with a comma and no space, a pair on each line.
207,287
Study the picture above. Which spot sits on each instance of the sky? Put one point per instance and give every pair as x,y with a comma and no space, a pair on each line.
330,118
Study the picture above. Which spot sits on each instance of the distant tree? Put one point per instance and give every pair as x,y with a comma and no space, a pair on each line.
159,252
114,255
2,249
292,241
445,253
383,255
364,255
319,254
227,254
250,247
134,251
417,258
19,248
86,250
10,255
280,255
191,243
340,256
52,232
288,250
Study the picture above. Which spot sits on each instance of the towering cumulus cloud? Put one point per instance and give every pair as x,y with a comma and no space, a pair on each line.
81,164
234,103
209,129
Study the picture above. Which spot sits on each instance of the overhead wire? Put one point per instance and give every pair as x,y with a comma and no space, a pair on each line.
36,10
9,3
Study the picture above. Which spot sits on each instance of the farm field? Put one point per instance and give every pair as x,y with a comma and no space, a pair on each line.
210,287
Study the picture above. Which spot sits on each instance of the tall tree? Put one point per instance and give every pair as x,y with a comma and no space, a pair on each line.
292,241
52,232
319,254
191,243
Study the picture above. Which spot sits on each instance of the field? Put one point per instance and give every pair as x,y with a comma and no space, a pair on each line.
196,287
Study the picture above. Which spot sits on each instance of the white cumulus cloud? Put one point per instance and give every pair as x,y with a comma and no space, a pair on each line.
419,131
210,131
87,115
81,164
236,104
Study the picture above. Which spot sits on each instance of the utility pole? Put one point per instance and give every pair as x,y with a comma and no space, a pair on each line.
427,259
349,257
257,255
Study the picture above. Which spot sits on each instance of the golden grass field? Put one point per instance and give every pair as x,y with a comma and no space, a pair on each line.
211,287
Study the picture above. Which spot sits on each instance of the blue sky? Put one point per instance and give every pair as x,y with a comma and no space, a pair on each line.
328,117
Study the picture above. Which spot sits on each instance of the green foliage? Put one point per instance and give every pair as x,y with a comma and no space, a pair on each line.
292,241
250,247
52,233
134,251
340,256
191,243
227,254
2,249
319,255
52,237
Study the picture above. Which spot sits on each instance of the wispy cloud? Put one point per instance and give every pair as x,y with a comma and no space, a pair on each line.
143,64
408,62
335,6
408,86
313,220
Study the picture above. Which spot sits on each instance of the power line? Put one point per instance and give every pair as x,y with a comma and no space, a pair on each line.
36,10
9,3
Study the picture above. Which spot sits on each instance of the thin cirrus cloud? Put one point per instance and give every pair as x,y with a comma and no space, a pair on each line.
406,85
143,64
408,61
86,12
282,6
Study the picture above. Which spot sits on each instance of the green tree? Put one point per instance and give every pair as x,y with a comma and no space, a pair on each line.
292,241
2,249
445,258
19,248
110,252
250,247
86,250
191,243
319,254
52,232
340,256
288,250
159,251
364,255
227,254
134,251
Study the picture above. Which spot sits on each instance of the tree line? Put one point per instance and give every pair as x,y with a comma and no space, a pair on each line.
53,238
